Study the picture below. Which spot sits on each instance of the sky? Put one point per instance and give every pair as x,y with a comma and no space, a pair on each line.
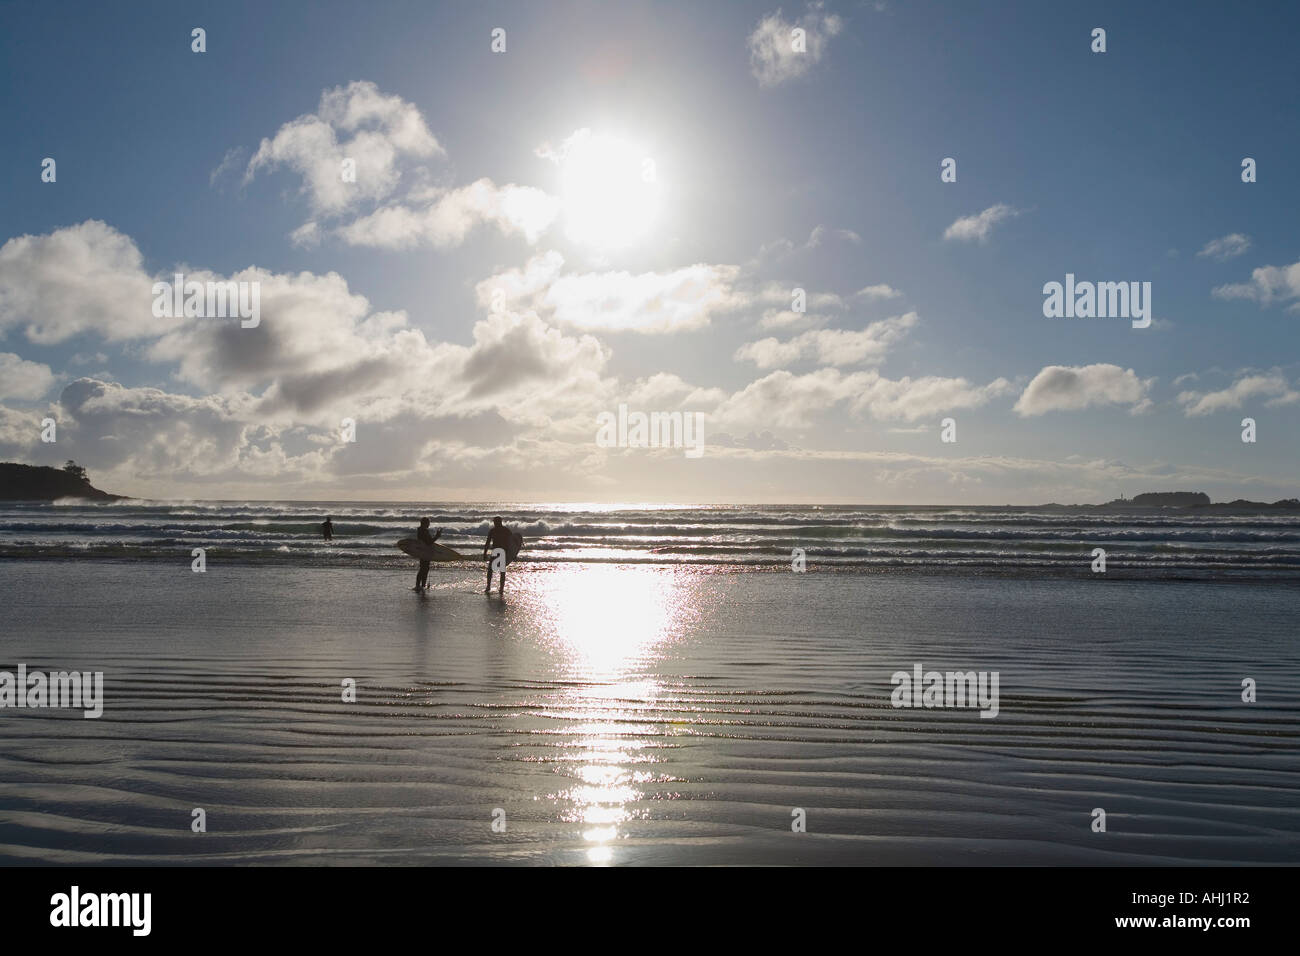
475,229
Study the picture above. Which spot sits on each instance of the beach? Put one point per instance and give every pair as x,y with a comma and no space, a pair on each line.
645,713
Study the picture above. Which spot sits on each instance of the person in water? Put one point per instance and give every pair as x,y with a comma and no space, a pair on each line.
498,537
422,576
327,529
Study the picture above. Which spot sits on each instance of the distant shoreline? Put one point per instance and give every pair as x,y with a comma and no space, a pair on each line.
41,483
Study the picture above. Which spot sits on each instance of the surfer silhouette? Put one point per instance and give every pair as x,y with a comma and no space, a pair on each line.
422,576
327,529
499,537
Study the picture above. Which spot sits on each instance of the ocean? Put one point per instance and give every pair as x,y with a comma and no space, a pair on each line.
657,686
977,540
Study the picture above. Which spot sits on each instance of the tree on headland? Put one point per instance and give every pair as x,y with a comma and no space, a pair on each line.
75,470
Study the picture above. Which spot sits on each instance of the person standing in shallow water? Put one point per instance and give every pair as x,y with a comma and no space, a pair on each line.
327,529
422,576
498,537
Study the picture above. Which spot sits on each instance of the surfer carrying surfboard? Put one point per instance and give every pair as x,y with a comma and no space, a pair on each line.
422,576
500,538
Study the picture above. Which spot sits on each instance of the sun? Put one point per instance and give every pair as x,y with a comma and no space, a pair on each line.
609,190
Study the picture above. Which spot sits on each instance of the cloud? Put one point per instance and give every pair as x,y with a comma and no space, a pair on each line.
787,319
156,432
278,400
778,249
449,219
20,431
819,234
684,298
775,301
664,390
979,226
356,122
233,159
1066,388
1273,387
783,399
772,50
383,136
307,235
649,302
309,324
319,352
909,399
1226,247
1268,284
513,352
754,441
22,379
831,346
83,278
881,291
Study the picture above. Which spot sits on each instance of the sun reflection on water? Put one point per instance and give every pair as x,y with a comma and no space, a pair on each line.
610,625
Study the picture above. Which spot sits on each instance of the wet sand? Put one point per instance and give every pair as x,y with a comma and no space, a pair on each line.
633,714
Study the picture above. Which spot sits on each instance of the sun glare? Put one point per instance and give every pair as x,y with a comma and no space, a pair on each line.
609,189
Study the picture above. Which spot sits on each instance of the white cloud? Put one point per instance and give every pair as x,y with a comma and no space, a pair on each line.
520,288
1268,284
931,395
880,291
319,352
306,235
83,278
684,298
279,390
664,390
830,346
383,136
788,319
819,234
356,122
156,432
520,353
1226,247
453,214
651,302
776,301
1070,388
979,226
1272,387
22,379
785,400
233,159
772,55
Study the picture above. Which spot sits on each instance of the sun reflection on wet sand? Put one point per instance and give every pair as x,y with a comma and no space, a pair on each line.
610,626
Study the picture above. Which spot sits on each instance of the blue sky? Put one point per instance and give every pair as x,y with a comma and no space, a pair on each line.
772,170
